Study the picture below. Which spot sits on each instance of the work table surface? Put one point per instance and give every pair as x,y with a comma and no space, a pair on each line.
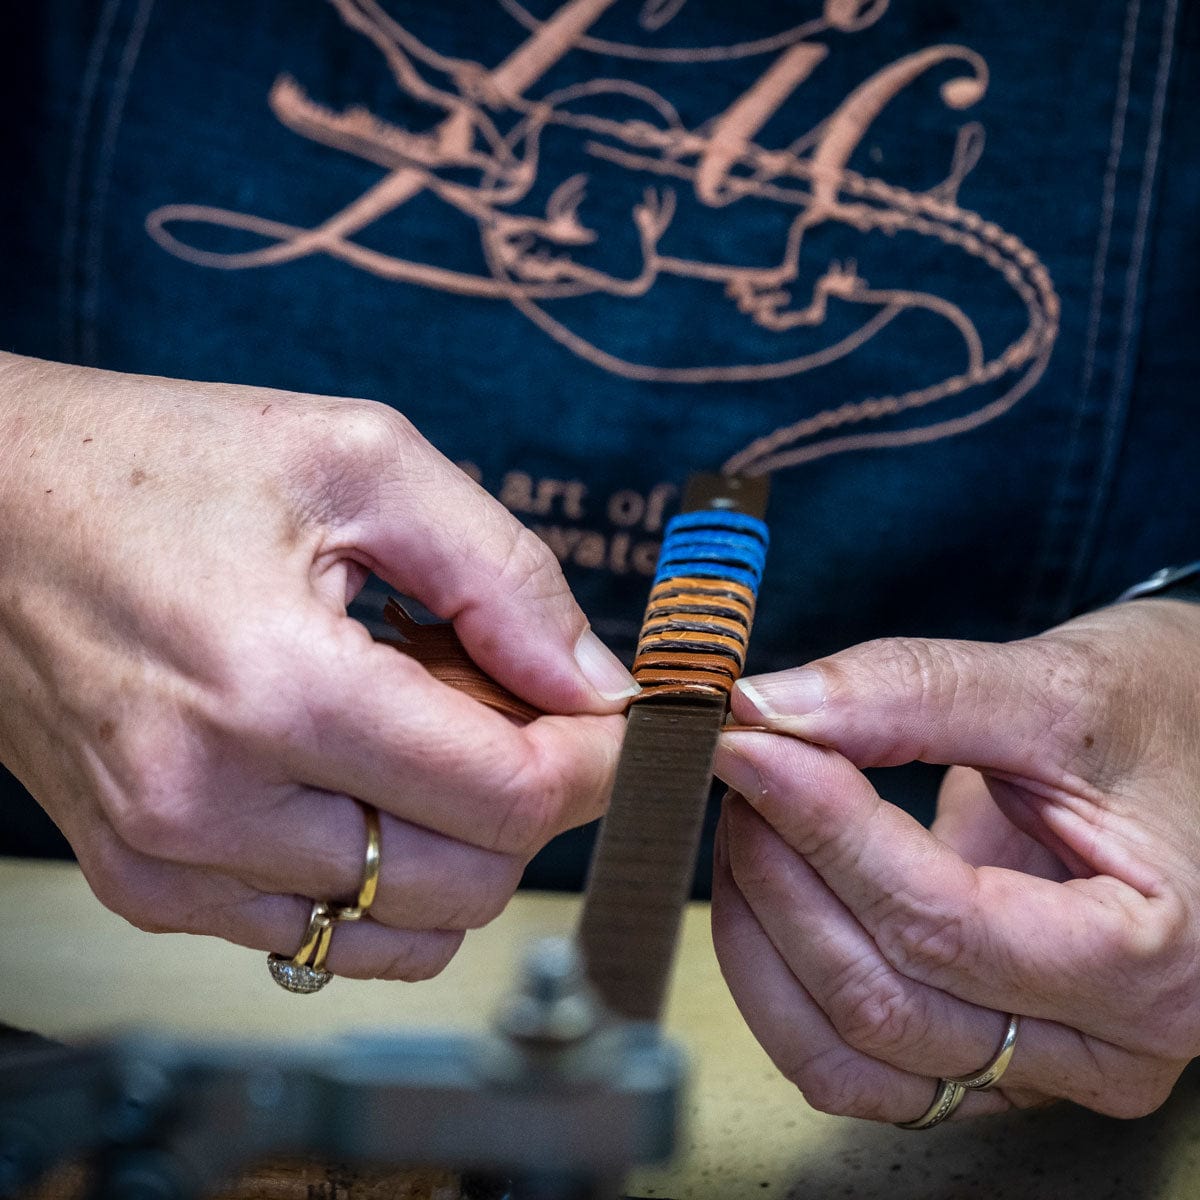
72,970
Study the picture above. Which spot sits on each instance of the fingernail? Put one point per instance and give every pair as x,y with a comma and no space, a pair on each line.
735,769
785,694
603,669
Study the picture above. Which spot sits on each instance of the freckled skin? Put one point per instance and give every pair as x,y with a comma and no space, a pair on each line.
196,711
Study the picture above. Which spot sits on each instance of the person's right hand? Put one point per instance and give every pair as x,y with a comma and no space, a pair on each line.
185,694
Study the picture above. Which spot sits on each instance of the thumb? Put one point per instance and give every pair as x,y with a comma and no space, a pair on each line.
433,533
1008,707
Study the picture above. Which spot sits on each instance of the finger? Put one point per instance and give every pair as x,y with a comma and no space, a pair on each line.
1073,952
971,823
171,898
880,1012
314,844
1023,707
796,1034
416,748
432,532
874,1008
1039,713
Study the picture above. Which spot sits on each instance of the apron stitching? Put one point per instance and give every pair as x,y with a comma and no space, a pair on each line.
108,149
1056,517
74,190
1118,395
1104,237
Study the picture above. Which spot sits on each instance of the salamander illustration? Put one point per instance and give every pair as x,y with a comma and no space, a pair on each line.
646,207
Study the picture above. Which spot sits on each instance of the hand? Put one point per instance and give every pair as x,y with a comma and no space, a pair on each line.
184,692
1060,881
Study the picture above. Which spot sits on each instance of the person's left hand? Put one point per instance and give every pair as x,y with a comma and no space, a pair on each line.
1060,881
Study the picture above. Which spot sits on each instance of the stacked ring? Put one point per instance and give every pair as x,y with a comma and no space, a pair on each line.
990,1075
946,1098
305,971
949,1093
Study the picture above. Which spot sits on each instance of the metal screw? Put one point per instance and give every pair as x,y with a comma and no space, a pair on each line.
554,1003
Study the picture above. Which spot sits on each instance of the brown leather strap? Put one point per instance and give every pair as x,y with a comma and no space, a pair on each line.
437,648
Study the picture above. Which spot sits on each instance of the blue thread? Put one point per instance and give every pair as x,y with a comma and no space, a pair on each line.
714,544
720,518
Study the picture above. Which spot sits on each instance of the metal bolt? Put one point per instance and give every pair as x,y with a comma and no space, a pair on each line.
554,1003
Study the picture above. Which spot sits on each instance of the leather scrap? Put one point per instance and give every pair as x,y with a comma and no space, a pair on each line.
437,648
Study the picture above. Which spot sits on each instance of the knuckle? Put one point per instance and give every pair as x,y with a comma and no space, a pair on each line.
365,431
252,705
525,823
283,696
758,868
873,1011
143,915
831,1083
1119,1082
920,677
530,571
1071,688
350,448
159,821
152,790
486,900
122,888
927,946
531,809
1155,944
917,666
118,896
484,911
1130,1099
1153,957
421,957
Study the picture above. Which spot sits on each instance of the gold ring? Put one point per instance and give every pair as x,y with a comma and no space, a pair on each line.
946,1098
989,1076
370,873
305,971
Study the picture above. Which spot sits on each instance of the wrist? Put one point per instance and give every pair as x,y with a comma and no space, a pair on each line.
42,407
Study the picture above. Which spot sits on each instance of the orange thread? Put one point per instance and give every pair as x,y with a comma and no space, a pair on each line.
694,637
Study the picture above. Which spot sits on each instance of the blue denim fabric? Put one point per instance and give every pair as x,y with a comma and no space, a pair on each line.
990,209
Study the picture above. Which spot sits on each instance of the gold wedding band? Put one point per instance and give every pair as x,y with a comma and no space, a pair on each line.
989,1076
305,971
949,1093
370,873
946,1098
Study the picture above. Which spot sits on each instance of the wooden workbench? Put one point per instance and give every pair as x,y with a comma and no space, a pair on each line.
71,970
